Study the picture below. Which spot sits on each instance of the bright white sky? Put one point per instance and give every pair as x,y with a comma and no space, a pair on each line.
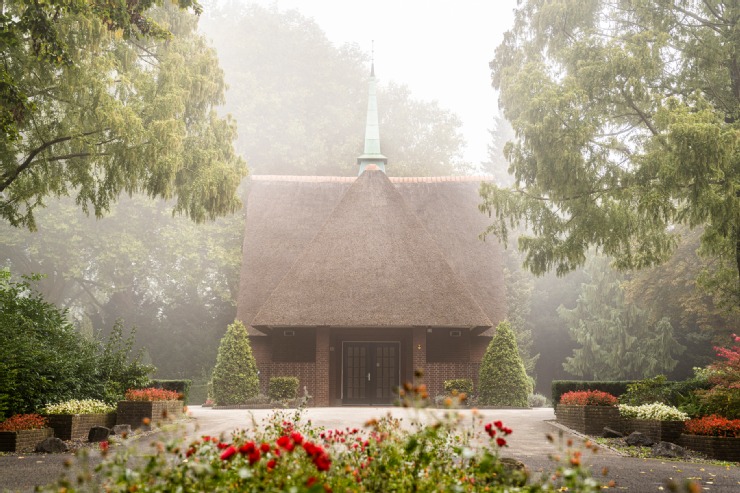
440,49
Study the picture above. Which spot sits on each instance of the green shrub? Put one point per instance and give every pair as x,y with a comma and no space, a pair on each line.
283,388
459,386
536,400
44,359
503,381
76,406
182,387
234,377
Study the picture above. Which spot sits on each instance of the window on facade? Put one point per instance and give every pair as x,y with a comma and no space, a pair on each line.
294,346
448,346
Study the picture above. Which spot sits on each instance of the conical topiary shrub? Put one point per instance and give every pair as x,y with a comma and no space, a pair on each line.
234,378
503,381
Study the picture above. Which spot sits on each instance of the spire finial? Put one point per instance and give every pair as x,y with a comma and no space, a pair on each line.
372,58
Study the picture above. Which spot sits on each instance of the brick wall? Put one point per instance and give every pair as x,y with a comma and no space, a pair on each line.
77,426
133,412
436,374
719,448
321,390
660,431
419,351
23,441
589,420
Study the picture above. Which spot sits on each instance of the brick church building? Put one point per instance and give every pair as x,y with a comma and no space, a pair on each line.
351,284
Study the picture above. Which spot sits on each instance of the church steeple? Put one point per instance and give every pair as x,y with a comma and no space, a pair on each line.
372,155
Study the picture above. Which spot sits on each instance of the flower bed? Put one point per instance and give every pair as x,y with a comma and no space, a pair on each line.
658,421
588,411
77,426
589,420
22,432
142,413
715,436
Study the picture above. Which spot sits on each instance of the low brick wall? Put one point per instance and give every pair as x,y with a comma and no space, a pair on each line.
589,420
719,448
133,412
23,441
660,431
77,426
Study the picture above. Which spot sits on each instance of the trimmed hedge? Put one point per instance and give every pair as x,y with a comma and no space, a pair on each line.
179,386
560,387
283,388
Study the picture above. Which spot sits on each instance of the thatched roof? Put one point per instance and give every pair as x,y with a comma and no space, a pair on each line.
371,264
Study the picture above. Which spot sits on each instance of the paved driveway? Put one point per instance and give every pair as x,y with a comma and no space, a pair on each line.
527,443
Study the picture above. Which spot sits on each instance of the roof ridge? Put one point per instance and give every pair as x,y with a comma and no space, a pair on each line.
393,179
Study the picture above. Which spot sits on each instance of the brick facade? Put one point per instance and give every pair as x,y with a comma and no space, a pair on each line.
660,431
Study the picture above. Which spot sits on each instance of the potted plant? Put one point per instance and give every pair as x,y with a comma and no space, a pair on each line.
660,422
144,406
588,411
715,436
73,419
22,432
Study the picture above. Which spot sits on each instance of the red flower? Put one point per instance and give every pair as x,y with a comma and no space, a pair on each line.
588,398
271,464
247,448
500,442
265,447
223,445
226,454
311,481
285,442
297,438
104,446
322,462
254,456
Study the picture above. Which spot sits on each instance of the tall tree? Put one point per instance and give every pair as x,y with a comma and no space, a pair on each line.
627,116
300,100
616,342
125,112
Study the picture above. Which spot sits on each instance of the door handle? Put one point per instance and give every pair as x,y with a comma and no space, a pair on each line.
368,376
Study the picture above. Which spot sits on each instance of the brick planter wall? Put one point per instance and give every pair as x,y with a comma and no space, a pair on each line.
77,426
660,431
133,412
719,448
23,441
589,420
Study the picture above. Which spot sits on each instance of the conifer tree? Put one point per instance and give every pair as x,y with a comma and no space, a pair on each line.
503,380
616,340
235,377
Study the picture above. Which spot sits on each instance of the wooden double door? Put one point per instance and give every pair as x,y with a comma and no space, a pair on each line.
370,372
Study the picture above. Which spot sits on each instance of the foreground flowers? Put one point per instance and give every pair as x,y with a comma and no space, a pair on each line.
287,454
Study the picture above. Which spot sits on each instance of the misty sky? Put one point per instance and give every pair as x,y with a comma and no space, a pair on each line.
440,49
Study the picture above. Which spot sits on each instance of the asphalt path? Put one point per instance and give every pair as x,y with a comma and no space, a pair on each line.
527,443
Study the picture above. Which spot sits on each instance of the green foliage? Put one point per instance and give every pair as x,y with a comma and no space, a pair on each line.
627,123
459,386
311,109
503,380
182,387
615,339
117,110
560,387
118,368
43,359
235,375
172,278
282,388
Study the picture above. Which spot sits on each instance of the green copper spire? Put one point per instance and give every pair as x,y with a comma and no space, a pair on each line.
372,153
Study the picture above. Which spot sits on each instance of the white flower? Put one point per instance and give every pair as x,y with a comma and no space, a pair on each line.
75,406
655,411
